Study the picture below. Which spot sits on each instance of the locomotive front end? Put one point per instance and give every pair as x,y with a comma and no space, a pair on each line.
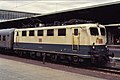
98,50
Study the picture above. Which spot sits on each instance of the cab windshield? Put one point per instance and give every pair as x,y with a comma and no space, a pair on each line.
94,31
102,30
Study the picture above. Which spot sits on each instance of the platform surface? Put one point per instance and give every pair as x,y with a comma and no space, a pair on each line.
14,70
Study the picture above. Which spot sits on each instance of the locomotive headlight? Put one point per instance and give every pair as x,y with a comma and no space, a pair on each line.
93,47
106,46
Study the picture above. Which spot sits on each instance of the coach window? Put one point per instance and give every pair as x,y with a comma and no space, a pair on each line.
24,33
94,31
3,38
31,33
40,33
50,32
61,32
7,35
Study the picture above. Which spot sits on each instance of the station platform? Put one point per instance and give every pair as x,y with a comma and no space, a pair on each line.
15,70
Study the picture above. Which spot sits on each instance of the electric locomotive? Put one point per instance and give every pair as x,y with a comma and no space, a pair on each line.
78,42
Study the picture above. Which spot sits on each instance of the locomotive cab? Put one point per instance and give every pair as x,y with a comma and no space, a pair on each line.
97,35
98,49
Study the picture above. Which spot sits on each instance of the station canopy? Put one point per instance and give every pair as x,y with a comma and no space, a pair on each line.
108,13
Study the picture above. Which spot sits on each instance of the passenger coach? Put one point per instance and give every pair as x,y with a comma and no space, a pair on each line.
6,38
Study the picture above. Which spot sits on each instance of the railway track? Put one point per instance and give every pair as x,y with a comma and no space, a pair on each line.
106,70
110,70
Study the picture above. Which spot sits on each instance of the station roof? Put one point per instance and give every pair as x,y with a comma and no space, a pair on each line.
18,12
108,13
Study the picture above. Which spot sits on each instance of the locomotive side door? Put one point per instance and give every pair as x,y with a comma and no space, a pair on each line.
75,38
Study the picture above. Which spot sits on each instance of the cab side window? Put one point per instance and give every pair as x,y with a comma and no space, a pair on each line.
61,32
31,33
102,30
24,33
94,31
76,32
40,33
17,34
50,32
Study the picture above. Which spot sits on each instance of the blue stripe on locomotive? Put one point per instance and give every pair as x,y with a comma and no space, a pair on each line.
83,49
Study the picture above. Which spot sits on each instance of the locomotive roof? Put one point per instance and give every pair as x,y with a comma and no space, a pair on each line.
6,31
64,26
